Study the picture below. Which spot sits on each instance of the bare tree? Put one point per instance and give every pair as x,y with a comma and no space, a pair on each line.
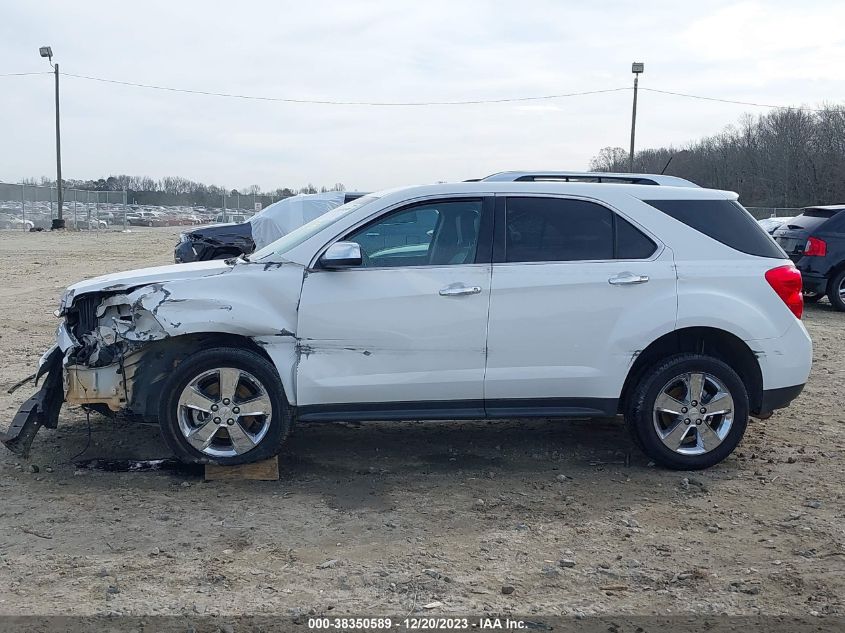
789,158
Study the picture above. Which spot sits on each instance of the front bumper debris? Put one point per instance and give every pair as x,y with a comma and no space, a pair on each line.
42,409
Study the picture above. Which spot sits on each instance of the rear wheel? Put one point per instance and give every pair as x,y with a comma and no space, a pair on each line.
836,291
688,412
226,406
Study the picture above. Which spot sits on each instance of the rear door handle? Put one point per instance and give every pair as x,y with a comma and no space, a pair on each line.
458,290
627,279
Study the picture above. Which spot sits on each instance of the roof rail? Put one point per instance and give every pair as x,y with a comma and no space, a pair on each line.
588,176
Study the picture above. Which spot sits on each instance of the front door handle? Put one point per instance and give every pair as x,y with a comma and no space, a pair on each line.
627,279
458,290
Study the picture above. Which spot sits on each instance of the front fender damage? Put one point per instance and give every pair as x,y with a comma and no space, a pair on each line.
110,337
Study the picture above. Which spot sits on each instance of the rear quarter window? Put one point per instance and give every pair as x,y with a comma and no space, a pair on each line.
725,221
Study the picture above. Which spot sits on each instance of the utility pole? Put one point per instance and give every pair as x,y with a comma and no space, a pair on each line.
58,221
636,68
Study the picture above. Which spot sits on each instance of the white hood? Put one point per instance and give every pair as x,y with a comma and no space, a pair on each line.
143,276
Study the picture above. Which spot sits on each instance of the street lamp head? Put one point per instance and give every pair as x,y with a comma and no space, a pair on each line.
46,51
637,67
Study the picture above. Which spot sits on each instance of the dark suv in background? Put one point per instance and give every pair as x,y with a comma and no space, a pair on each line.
815,241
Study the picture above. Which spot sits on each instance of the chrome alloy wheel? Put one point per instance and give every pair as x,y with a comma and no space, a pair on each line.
693,413
224,412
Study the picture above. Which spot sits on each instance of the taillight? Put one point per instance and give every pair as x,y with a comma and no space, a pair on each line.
786,282
815,248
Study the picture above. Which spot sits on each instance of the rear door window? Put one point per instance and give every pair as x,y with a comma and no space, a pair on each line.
725,221
559,229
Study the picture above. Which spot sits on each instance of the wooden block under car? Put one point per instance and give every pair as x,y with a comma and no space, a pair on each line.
267,470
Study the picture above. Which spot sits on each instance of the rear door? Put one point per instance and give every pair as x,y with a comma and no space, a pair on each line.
577,291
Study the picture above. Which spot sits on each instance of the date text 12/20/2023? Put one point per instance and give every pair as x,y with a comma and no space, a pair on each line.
415,624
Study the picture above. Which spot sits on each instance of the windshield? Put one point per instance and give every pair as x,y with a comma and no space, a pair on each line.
306,231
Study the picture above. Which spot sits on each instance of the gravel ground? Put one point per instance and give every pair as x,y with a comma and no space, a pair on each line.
523,517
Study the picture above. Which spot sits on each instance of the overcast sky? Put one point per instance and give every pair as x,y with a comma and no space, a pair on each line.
783,53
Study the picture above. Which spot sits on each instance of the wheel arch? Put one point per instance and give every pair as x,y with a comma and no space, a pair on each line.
834,271
161,357
714,342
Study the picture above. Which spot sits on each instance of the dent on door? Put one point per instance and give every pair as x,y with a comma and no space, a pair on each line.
393,335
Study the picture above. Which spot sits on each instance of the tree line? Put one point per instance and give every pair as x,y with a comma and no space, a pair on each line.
786,158
178,191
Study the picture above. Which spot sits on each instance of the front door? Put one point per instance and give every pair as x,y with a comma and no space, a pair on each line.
405,332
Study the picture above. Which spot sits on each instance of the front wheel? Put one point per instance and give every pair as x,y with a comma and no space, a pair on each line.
688,412
226,406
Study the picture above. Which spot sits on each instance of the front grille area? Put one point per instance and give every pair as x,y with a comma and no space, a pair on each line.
82,318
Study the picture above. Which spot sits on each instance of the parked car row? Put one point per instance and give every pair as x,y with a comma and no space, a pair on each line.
91,215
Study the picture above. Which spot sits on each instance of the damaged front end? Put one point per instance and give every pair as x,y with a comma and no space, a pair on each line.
122,335
100,343
42,409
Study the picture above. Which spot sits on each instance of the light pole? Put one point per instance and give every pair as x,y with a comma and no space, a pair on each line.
636,68
58,222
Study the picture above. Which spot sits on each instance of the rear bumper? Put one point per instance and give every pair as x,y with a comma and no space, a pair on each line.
814,283
785,363
779,398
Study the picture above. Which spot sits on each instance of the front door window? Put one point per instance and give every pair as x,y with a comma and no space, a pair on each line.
430,234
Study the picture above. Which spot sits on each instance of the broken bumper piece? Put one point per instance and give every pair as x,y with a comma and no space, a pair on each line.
42,409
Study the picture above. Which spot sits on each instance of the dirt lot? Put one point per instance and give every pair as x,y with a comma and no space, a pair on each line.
393,518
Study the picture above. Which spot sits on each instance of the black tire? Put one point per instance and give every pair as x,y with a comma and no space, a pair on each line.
639,411
197,364
812,297
834,289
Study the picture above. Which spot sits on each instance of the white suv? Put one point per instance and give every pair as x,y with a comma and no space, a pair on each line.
668,305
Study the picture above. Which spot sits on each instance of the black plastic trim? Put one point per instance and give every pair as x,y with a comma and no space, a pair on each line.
779,398
459,409
353,411
552,407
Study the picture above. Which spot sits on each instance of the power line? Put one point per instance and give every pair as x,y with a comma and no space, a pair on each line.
415,103
747,103
40,72
346,103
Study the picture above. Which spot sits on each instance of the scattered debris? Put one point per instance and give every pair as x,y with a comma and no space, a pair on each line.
329,564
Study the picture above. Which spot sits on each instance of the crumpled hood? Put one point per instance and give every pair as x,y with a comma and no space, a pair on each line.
142,277
218,231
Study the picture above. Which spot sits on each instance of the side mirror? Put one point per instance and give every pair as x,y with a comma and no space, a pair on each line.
342,255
